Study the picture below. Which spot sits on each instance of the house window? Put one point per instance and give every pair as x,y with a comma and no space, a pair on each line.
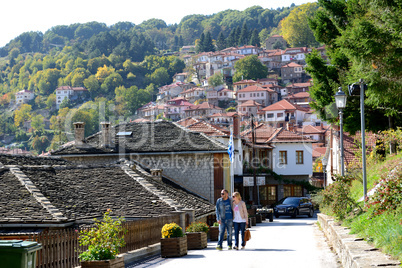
283,157
258,94
270,115
262,94
299,157
292,190
279,115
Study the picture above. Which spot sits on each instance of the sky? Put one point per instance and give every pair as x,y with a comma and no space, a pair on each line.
20,16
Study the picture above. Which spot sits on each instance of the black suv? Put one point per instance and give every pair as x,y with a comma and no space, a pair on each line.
293,206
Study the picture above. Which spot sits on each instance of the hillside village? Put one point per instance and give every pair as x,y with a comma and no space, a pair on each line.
286,132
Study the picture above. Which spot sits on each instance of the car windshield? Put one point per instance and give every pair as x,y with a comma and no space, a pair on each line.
290,201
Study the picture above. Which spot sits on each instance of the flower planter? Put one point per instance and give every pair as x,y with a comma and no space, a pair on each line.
214,233
197,240
258,218
114,263
173,247
253,221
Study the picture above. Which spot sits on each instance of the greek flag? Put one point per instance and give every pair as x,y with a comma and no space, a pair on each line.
230,148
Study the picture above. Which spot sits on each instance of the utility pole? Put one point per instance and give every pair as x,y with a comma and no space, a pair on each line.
255,194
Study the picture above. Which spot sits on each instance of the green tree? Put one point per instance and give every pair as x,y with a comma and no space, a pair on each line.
208,44
51,101
255,39
216,80
199,47
22,114
111,82
221,42
249,67
48,81
295,28
160,77
263,35
38,123
361,43
40,143
244,37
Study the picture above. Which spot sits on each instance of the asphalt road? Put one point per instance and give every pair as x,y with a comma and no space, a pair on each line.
285,242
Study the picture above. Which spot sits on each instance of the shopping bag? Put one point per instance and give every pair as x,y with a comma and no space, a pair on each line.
247,235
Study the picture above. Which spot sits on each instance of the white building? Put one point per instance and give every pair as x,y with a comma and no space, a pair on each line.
23,96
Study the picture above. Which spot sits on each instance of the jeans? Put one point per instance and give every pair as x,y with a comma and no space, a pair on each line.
228,225
239,227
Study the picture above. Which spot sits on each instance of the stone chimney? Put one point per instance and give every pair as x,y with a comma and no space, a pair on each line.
79,130
236,126
157,174
106,140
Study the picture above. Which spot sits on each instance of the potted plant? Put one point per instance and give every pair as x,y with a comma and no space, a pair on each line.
197,235
214,232
103,241
173,241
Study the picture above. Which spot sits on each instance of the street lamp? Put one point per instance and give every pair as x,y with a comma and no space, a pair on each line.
324,162
356,89
340,100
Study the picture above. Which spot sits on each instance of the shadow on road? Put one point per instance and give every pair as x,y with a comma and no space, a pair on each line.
269,249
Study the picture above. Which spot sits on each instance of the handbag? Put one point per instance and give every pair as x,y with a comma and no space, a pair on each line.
247,235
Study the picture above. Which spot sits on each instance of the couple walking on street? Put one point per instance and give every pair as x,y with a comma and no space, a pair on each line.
231,212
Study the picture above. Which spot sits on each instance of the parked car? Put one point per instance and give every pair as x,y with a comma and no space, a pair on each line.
293,206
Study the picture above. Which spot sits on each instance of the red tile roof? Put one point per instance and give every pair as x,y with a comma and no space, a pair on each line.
208,129
204,105
249,103
244,82
291,65
289,136
309,129
283,105
255,88
187,121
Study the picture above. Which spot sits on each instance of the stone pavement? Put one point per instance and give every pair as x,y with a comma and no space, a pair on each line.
285,242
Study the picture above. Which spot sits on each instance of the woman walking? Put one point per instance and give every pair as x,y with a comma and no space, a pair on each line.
240,219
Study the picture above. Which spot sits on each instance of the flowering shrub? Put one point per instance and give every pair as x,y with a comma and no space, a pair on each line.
171,230
104,240
387,196
197,227
337,198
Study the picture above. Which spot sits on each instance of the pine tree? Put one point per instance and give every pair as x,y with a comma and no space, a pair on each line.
255,39
231,40
237,35
244,35
200,45
208,44
221,42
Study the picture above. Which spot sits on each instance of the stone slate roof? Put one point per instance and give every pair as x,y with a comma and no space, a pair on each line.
7,159
148,137
17,204
183,196
84,192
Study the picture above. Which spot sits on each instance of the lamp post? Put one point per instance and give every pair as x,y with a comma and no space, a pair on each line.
340,100
356,89
324,162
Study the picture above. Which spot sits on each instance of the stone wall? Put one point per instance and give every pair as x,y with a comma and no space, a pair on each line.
352,251
192,171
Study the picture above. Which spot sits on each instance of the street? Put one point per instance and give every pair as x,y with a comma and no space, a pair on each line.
285,242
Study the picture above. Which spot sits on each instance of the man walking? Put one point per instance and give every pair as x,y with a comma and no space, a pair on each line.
224,216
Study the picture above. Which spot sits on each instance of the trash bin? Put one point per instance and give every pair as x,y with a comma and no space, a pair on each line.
18,253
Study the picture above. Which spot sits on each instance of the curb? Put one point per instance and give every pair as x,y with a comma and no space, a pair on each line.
353,251
141,253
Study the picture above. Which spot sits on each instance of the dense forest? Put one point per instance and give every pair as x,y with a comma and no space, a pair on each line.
121,65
